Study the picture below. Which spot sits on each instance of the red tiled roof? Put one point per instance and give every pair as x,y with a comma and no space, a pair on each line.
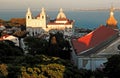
5,36
38,15
93,39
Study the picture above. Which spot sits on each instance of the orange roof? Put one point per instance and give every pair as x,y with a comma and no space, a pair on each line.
5,36
93,39
111,21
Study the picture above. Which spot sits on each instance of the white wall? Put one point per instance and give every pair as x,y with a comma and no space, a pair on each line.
90,63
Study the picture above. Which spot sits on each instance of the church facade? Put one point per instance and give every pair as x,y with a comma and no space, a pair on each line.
41,23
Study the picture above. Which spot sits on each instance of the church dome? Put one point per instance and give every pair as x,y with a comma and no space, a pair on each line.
61,15
111,21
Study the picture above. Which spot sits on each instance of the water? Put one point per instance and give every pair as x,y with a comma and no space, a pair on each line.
83,19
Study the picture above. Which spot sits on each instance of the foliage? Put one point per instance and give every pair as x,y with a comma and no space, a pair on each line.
8,48
99,73
13,71
112,67
53,40
61,48
51,67
50,70
14,22
57,46
41,66
20,21
36,45
20,34
3,70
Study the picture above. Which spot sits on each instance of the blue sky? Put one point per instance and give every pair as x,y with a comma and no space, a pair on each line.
56,4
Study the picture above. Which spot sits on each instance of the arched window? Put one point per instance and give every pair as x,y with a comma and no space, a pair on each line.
28,17
42,17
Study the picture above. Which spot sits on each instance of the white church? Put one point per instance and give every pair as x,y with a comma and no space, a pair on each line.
41,23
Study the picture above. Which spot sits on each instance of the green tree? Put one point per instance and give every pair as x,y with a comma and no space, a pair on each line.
36,45
50,67
112,67
50,70
8,48
59,46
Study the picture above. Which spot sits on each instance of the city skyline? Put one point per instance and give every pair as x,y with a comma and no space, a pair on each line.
53,4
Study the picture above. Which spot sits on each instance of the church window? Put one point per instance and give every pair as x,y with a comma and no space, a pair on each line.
42,17
28,17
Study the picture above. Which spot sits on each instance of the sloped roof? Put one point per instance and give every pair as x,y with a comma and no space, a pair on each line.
38,15
93,39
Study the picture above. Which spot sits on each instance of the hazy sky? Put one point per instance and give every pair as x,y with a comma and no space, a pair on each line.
55,4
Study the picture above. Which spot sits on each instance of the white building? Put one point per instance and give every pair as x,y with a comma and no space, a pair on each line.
36,24
11,38
61,22
93,49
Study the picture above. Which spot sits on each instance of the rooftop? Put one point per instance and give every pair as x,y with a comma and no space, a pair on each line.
93,39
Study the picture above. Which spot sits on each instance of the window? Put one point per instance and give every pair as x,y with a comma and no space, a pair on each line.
28,17
42,17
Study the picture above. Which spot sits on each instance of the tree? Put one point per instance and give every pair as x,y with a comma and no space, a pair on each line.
53,40
8,48
3,70
59,46
50,67
50,70
36,45
112,67
20,34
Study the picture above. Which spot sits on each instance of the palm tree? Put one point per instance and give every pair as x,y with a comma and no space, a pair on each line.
20,34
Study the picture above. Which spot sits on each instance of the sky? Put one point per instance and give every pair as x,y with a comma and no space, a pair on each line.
56,4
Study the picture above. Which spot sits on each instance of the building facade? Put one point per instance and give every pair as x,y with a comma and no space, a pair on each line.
41,22
92,50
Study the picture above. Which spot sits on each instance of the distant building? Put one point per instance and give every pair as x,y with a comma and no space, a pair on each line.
61,22
92,50
2,27
11,38
36,24
111,21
